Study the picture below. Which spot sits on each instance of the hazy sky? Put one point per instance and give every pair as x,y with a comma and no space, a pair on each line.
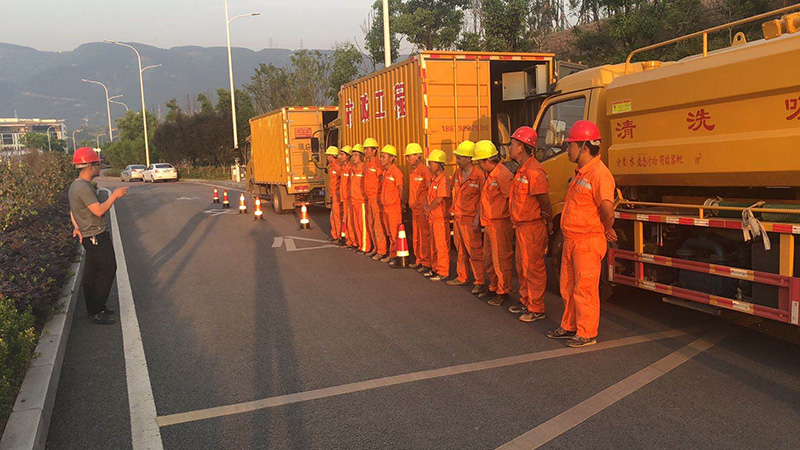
66,24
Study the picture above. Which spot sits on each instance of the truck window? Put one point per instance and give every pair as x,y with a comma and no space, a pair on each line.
556,121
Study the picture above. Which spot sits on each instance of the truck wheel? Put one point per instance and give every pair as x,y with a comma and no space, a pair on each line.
280,201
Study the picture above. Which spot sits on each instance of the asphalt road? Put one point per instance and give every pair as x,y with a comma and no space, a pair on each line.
235,323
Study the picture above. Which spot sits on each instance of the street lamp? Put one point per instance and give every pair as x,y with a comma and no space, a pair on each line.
48,138
108,107
141,89
230,69
111,100
73,139
387,47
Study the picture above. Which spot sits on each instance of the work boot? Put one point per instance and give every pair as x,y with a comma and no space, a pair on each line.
456,282
101,319
531,317
560,333
413,265
331,239
108,312
477,289
486,294
578,342
394,263
519,308
423,269
371,254
359,252
429,274
378,256
386,259
497,301
436,277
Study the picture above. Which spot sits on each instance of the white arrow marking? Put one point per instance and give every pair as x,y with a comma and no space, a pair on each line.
185,198
278,242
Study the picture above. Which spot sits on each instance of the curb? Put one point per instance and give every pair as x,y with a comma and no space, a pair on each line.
233,185
30,419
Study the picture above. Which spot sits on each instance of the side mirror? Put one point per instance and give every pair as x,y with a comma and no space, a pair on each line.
503,127
315,146
555,133
315,156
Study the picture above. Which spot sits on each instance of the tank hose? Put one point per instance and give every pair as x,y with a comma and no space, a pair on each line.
752,228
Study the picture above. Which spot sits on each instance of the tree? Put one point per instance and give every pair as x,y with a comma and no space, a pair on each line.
38,141
244,112
344,68
130,126
310,73
430,24
174,110
373,33
504,25
270,88
205,104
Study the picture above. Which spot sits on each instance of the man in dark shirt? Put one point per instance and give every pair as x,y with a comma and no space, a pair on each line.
90,217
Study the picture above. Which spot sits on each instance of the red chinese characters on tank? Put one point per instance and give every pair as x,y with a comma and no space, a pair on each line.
700,119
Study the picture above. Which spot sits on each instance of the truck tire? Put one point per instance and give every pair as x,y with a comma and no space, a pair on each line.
282,202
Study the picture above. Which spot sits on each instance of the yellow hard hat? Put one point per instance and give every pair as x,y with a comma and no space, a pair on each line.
347,149
413,149
370,142
437,156
466,148
358,148
389,149
484,150
332,150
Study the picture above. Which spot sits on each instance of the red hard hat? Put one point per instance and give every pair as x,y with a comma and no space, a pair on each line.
85,155
583,130
526,135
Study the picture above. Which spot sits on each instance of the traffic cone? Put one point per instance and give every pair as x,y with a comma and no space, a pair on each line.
258,214
401,261
216,196
225,202
242,205
305,224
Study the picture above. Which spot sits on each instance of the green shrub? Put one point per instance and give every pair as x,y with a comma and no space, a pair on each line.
111,173
17,343
204,172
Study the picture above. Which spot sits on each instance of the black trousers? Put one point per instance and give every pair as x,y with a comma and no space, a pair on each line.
99,271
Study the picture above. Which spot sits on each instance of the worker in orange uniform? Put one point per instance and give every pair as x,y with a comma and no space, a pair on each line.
334,178
372,186
438,212
587,222
359,198
531,216
346,167
467,184
391,196
496,221
418,182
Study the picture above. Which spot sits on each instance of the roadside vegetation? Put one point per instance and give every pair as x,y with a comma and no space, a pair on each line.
36,251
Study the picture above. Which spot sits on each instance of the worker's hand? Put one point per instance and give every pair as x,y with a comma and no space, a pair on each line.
476,224
550,227
77,233
120,192
611,235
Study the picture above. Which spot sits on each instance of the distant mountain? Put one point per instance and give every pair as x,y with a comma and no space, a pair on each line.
48,84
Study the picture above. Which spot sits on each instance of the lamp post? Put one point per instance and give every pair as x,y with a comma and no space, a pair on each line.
49,148
108,107
141,89
387,48
111,100
230,69
73,139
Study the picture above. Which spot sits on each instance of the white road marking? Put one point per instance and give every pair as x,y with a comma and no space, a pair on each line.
145,433
292,247
278,242
219,212
187,198
576,415
238,408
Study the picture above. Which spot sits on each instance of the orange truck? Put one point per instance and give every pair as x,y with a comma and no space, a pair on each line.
704,153
440,98
280,161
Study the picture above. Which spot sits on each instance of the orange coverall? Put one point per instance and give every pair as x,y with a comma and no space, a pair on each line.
438,218
495,218
584,247
359,199
392,209
372,186
468,241
334,179
531,231
347,205
418,183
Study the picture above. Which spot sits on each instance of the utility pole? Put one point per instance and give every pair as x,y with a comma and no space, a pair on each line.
387,48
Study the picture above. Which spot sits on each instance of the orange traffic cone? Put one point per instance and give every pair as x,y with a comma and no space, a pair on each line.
401,261
305,224
215,199
258,214
225,202
242,205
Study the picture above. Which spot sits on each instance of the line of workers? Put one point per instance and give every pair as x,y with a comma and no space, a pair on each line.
491,207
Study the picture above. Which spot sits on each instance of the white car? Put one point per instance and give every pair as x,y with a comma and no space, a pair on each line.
133,172
160,172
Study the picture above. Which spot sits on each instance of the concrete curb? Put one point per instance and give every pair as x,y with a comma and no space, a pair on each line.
219,183
30,419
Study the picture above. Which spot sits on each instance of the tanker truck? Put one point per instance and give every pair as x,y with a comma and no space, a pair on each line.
703,153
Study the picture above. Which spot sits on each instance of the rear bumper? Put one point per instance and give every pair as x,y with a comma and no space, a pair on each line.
165,176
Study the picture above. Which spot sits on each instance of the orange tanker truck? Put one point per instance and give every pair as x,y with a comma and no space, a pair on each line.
703,151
